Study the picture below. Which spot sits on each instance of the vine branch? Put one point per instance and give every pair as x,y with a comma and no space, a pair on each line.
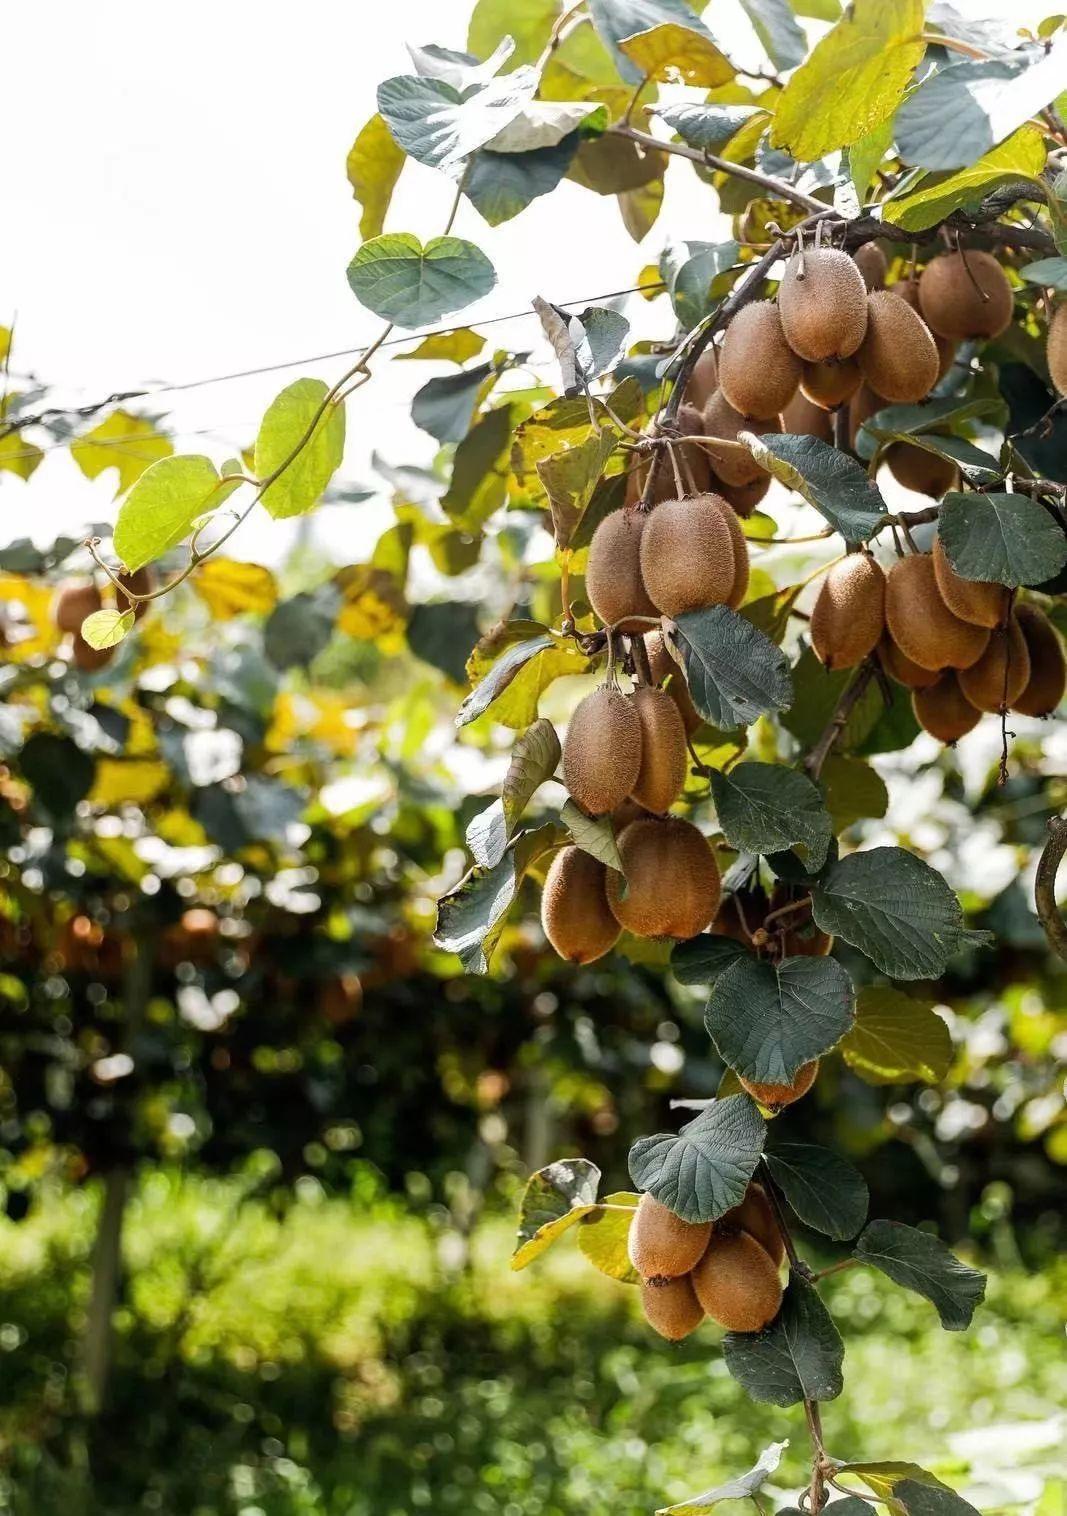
1048,912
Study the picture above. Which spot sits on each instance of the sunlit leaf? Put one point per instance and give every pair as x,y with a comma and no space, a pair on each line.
163,504
402,281
936,196
229,587
373,167
896,1039
107,628
678,54
302,441
554,1199
124,442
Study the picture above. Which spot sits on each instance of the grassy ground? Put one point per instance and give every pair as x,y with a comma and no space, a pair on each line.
343,1358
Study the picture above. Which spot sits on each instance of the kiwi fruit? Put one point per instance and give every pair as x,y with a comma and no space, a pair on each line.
1048,670
829,385
971,600
739,589
775,1096
687,554
663,751
90,659
664,484
141,582
758,370
823,305
965,300
74,601
735,921
1056,349
613,580
731,459
602,750
908,289
672,1308
574,907
743,497
755,1216
848,617
921,624
803,418
924,472
665,670
693,460
704,380
901,668
999,677
898,356
943,710
864,404
872,264
660,1244
672,886
737,1283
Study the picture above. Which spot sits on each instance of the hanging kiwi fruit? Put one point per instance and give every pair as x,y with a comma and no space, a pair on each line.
965,296
758,370
823,304
848,618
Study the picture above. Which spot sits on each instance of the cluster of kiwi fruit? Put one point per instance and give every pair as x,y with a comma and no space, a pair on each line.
75,599
727,1269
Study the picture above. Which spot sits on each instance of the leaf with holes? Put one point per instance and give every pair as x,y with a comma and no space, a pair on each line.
1003,539
923,1263
554,1199
798,1357
704,1169
767,808
767,1020
735,673
833,483
824,1191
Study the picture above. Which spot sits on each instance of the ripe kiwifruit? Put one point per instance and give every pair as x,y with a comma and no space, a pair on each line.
898,356
574,907
74,601
602,750
901,668
1048,670
920,622
829,385
863,405
141,582
755,1216
672,1308
693,458
743,497
802,418
943,710
999,677
758,370
823,304
970,599
704,380
736,920
660,1244
666,670
664,486
1056,349
737,1283
739,589
908,289
965,295
663,751
672,884
687,554
872,264
731,459
848,617
613,580
919,470
90,659
775,1096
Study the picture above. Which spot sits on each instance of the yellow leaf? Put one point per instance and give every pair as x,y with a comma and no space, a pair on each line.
679,55
5,343
1022,156
853,81
132,781
374,164
452,347
30,630
322,717
17,455
124,442
373,606
230,588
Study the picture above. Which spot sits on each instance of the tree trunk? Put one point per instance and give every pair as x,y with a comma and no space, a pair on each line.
107,1270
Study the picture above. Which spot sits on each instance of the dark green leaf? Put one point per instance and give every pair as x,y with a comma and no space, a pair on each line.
500,185
1005,539
471,916
445,405
977,467
735,673
553,1200
833,483
400,280
798,1357
767,808
479,471
884,1478
825,1191
853,791
923,1263
690,271
59,773
704,1169
706,126
766,1019
441,633
297,630
816,693
702,959
922,1498
938,414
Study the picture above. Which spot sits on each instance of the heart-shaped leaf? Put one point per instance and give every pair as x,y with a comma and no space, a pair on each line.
704,1169
767,1020
402,281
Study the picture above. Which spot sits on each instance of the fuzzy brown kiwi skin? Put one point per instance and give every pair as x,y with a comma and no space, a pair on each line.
898,357
693,460
87,658
602,751
665,670
664,757
921,471
921,624
1002,673
777,1096
965,300
743,497
969,599
848,617
687,555
1048,669
758,370
1056,349
864,404
731,459
613,580
662,1245
739,589
672,1308
908,289
574,907
900,667
944,711
872,264
704,380
802,418
829,385
737,1283
755,1215
673,886
823,304
73,602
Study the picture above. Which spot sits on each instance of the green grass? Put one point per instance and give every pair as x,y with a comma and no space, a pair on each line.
343,1357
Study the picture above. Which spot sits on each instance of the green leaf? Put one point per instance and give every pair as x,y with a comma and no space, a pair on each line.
471,916
445,405
639,208
571,476
690,271
767,1020
400,280
966,108
678,55
479,471
835,484
553,1200
741,1488
853,80
456,346
529,25
373,167
107,628
885,1478
58,771
500,676
437,125
706,126
767,808
770,613
977,467
775,25
798,1357
1049,272
938,414
500,185
533,760
604,1235
704,1169
286,423
921,1497
618,19
896,1039
896,909
162,506
824,1191
936,196
735,673
924,1264
865,156
816,693
853,791
595,837
299,628
1003,539
124,442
